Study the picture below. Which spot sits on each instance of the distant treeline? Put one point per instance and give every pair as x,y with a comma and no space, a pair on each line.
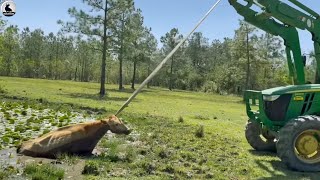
114,40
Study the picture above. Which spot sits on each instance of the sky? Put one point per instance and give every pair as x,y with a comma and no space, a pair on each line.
160,15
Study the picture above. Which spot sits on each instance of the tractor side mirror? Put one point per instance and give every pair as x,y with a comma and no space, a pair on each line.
304,60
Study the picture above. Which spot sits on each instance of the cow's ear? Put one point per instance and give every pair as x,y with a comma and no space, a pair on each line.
112,117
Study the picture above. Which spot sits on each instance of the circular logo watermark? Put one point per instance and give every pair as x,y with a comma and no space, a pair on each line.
8,8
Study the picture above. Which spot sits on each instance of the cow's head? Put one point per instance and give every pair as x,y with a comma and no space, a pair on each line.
117,126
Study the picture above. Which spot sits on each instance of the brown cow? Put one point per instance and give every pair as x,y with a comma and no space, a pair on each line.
73,139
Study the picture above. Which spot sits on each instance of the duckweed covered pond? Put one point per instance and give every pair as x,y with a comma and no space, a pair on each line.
20,121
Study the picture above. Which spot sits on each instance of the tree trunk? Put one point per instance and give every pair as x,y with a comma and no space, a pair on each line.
134,74
83,70
8,62
75,73
248,60
171,73
8,69
50,66
121,54
120,71
104,54
56,62
148,85
86,72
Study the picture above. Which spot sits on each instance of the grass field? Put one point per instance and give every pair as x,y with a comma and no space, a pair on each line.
163,147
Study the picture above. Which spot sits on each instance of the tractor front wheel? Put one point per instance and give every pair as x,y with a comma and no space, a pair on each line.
299,144
259,139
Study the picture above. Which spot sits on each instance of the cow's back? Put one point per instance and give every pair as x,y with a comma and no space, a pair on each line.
70,139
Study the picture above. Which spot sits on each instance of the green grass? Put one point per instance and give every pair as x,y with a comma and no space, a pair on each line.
68,159
43,172
163,146
4,174
159,102
91,168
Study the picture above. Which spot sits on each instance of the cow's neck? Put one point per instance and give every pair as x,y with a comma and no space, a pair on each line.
92,141
103,130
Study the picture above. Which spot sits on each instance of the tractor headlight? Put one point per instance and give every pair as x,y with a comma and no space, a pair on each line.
270,97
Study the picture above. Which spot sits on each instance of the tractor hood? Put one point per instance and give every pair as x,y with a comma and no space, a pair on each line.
292,89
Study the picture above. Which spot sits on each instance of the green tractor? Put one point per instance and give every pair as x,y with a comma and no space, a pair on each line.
286,119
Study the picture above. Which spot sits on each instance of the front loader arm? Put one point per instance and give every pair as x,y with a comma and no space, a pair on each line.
289,15
288,33
293,17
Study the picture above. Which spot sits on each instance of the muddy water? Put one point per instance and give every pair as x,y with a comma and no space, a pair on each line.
11,161
19,122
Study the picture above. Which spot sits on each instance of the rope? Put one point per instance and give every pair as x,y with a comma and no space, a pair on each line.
155,72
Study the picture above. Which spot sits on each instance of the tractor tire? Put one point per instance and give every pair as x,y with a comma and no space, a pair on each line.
298,145
255,138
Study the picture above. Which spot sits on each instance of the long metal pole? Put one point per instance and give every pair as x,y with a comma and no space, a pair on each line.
155,72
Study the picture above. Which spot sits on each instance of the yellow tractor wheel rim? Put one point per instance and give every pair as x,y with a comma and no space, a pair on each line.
307,147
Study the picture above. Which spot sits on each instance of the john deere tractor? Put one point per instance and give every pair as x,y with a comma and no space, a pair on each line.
288,118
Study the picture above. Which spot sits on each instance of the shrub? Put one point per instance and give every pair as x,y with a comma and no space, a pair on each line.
200,132
130,154
91,168
113,149
163,154
3,175
6,172
180,120
209,87
149,167
24,113
169,168
2,89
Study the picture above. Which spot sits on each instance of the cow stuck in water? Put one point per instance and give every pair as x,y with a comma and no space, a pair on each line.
78,139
